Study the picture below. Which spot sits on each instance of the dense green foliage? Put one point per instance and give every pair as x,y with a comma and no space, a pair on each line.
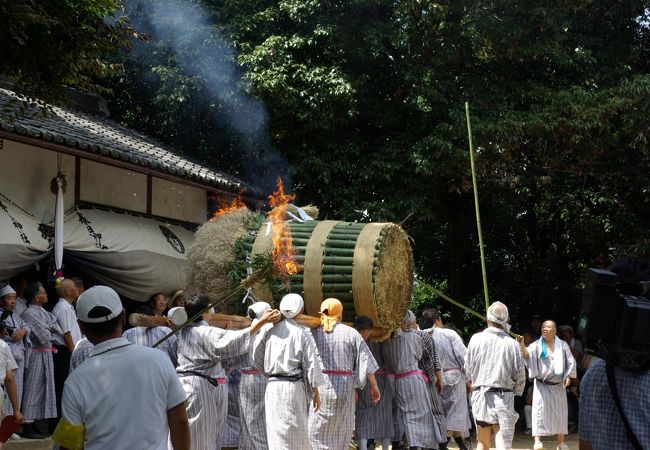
47,45
365,99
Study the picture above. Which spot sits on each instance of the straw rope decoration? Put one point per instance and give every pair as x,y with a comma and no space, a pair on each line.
362,269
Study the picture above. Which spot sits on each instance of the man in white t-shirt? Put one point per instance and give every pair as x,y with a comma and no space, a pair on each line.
64,344
123,396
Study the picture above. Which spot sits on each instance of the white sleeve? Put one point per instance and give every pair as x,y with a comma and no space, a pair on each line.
175,393
70,407
8,360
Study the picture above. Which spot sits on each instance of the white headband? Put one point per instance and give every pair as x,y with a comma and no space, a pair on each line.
501,321
6,291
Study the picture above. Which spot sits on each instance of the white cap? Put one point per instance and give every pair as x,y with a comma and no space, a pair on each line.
98,296
6,291
291,305
258,308
177,315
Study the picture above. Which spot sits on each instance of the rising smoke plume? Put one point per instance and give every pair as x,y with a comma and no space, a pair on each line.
201,51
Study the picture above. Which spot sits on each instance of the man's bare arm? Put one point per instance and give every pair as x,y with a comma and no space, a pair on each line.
179,427
522,347
12,392
67,337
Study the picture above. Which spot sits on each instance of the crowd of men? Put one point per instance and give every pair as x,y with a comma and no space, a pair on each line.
276,384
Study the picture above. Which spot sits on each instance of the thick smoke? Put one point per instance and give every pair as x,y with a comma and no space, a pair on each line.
203,52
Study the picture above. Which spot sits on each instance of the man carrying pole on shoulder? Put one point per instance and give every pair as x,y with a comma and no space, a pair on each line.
288,357
496,370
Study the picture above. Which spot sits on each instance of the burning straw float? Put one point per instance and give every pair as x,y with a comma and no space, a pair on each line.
368,267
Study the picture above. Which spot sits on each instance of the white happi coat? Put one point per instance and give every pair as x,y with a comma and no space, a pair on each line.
201,348
452,352
549,412
493,361
347,361
288,349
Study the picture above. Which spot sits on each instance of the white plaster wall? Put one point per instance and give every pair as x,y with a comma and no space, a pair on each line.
26,172
112,186
25,175
178,201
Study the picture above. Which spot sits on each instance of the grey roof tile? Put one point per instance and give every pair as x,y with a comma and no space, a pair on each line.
96,134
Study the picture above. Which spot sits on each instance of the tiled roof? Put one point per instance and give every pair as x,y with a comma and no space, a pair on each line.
98,135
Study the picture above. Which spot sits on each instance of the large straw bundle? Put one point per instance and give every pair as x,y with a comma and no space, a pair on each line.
209,260
367,266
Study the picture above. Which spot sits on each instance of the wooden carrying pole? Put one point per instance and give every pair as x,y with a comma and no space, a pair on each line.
231,322
478,214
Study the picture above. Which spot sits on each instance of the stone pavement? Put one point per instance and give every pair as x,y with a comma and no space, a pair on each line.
29,444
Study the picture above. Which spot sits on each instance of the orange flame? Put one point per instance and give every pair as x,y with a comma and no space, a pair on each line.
226,207
283,254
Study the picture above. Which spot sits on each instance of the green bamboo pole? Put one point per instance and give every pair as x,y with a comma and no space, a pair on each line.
478,214
455,303
330,260
334,269
343,278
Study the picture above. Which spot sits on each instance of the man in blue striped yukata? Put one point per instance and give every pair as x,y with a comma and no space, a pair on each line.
403,353
347,364
374,420
451,350
497,373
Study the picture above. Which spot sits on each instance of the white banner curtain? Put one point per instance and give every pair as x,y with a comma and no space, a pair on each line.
58,225
23,240
136,256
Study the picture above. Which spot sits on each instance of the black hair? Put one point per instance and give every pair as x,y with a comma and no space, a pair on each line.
150,301
32,290
195,304
429,317
145,310
101,329
362,323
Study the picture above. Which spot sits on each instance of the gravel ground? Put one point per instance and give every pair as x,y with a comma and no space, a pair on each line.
523,442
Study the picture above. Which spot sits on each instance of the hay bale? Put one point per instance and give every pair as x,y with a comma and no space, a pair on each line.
210,258
393,282
369,267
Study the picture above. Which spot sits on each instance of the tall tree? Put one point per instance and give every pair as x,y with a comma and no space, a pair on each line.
365,100
51,44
